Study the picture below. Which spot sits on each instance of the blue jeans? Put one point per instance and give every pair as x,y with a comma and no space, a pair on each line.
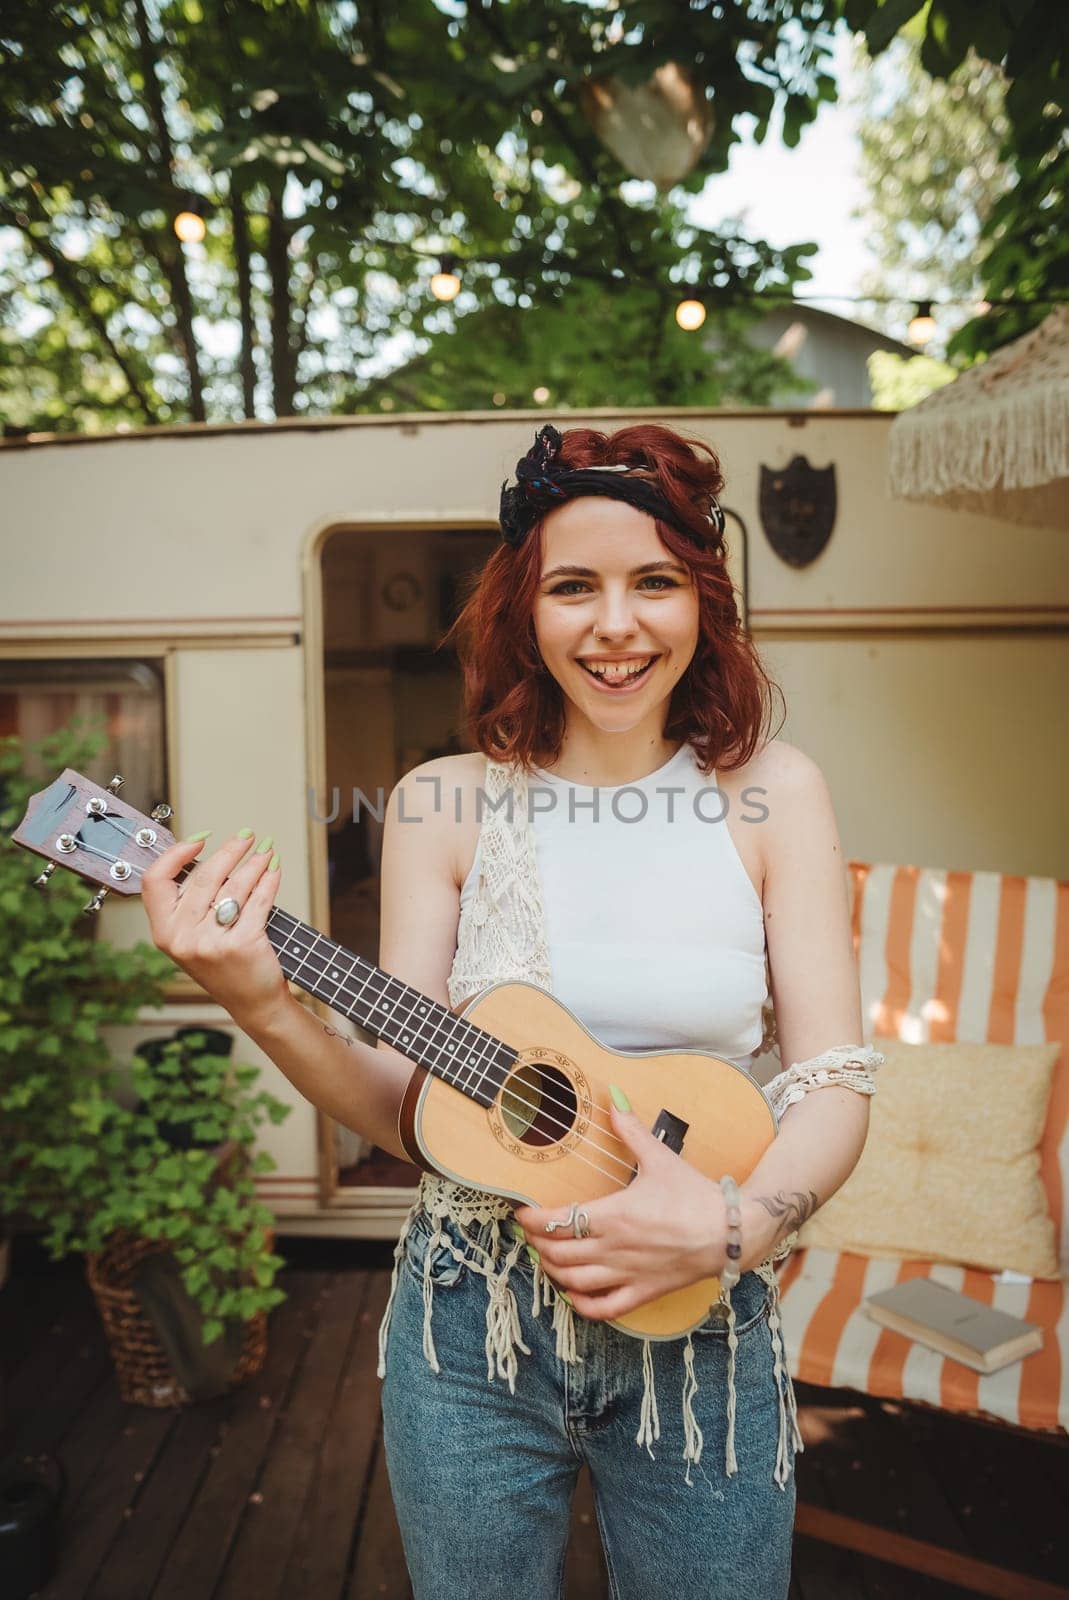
482,1479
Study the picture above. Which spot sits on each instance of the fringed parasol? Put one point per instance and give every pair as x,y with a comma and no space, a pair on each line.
996,440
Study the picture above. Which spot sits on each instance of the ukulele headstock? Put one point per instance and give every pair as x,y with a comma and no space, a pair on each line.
76,824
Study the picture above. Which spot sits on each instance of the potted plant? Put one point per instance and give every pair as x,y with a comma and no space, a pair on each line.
170,1222
108,1176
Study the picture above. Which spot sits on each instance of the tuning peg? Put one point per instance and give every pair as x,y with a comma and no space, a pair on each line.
161,812
97,901
42,881
116,783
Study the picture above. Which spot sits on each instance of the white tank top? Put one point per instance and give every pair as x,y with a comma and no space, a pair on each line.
656,934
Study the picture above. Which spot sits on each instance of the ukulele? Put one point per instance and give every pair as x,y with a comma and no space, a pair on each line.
509,1092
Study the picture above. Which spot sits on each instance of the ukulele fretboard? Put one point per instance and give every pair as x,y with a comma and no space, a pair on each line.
464,1055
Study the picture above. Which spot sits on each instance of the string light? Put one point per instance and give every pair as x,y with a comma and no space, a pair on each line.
979,308
690,314
189,224
445,284
922,325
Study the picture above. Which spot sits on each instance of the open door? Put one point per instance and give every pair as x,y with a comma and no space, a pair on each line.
391,699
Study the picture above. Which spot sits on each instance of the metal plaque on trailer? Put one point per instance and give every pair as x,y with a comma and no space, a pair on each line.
797,506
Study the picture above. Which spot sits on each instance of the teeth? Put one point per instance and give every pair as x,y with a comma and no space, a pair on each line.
617,672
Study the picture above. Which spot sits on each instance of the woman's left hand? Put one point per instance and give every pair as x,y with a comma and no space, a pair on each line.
665,1230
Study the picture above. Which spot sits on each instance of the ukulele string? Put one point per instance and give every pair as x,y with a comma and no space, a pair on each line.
547,1098
515,1098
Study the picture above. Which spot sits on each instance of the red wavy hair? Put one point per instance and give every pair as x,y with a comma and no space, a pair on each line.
514,708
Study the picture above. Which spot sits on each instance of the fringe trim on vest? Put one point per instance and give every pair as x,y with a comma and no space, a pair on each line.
470,1210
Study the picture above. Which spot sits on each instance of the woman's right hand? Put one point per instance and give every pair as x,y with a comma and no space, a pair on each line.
236,965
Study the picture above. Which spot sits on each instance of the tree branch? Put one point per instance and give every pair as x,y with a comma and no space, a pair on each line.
611,206
283,356
66,277
174,264
303,305
239,223
385,382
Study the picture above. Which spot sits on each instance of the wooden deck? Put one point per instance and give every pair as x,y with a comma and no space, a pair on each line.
280,1489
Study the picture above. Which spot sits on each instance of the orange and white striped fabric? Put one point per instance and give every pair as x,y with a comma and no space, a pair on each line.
978,956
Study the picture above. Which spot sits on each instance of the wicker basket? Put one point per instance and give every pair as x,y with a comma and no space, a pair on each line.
145,1376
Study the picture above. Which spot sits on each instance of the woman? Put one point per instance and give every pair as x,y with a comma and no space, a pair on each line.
603,658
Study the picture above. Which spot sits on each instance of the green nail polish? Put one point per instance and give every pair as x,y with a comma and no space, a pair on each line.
244,833
264,846
274,864
518,1233
619,1099
195,838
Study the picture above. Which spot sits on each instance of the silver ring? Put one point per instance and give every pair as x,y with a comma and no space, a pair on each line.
226,911
582,1225
563,1222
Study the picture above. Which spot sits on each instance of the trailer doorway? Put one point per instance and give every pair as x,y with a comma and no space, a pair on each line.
391,699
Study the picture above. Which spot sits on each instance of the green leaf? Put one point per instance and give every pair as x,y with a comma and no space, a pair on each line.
887,20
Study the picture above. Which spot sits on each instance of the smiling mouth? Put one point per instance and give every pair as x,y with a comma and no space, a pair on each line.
618,677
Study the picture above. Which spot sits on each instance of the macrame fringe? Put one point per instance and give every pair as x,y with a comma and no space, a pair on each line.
398,1254
504,1331
649,1427
788,1408
693,1439
1019,443
731,1466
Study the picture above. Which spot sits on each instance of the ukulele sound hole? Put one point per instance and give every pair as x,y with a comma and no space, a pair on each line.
538,1104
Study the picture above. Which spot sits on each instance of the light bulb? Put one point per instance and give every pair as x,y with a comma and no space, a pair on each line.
690,314
922,326
445,286
189,227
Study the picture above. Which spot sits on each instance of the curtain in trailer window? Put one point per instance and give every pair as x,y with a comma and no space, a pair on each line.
122,698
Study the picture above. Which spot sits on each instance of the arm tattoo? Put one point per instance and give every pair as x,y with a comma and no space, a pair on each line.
334,1034
792,1209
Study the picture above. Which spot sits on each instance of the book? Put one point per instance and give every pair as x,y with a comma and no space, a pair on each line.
977,1335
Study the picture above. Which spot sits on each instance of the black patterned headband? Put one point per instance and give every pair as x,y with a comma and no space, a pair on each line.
542,483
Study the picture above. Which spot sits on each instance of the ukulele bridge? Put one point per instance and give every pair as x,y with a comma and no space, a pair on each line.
671,1131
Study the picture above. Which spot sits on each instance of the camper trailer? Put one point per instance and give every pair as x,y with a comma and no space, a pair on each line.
255,612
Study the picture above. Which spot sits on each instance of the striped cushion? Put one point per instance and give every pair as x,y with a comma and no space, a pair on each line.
831,1342
971,955
982,956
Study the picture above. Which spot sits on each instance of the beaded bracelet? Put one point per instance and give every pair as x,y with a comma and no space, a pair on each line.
730,1275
